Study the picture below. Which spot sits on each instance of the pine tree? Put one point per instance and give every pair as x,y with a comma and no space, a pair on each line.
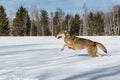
56,23
119,20
67,22
4,29
96,26
44,23
91,28
21,24
27,24
35,29
75,27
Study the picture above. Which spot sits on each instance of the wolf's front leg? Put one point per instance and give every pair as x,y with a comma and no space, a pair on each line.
63,47
71,48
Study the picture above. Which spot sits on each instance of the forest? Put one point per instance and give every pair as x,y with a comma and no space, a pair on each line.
38,22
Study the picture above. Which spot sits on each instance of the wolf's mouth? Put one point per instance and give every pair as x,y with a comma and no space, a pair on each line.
59,37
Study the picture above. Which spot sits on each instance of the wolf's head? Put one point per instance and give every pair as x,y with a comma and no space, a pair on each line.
62,34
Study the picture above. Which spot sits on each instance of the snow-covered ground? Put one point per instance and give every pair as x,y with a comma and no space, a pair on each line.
40,58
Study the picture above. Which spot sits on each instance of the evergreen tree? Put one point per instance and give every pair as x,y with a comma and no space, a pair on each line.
4,29
35,29
67,22
75,27
119,20
91,28
27,24
44,23
21,24
56,23
96,24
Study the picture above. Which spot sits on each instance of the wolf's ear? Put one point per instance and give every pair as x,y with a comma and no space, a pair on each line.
67,32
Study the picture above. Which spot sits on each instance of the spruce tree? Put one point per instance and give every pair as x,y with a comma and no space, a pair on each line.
75,27
56,23
96,26
4,29
44,23
67,22
21,23
27,24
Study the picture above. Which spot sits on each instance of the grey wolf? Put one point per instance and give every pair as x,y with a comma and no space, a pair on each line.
76,43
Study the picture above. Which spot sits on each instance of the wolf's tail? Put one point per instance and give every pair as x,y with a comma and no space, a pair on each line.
101,46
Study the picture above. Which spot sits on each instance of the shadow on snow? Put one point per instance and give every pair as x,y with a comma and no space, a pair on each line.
97,74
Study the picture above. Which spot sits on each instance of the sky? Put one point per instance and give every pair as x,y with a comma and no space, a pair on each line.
68,6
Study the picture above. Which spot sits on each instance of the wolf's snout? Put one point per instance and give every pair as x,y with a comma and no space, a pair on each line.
58,36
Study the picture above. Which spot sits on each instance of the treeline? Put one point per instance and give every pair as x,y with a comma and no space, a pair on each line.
39,23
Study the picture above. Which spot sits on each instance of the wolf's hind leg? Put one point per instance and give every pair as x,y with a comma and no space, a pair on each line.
92,51
99,55
71,48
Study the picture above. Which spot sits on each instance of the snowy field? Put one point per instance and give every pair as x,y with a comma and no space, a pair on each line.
40,58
